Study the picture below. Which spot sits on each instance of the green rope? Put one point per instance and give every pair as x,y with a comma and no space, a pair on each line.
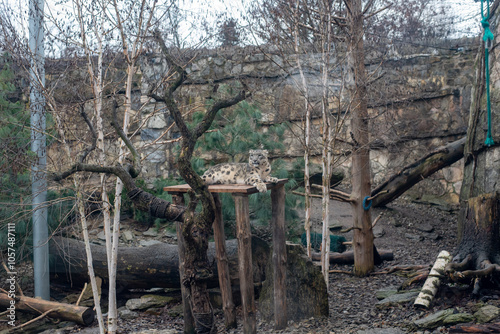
488,41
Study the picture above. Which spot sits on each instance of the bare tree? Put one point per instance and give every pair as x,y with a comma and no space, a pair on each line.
196,226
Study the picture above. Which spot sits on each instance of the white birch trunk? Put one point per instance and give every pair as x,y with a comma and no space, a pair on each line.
327,140
93,283
97,86
131,58
433,281
307,141
115,234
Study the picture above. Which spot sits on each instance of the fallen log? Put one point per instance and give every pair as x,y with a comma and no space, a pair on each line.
475,328
411,174
433,281
144,267
348,257
78,314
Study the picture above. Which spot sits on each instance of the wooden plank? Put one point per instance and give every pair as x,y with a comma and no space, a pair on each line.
189,325
279,256
244,237
225,188
223,267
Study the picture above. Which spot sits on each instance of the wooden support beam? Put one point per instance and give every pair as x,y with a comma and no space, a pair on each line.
189,325
279,255
223,266
244,237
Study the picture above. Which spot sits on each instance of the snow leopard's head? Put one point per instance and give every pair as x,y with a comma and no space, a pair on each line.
257,157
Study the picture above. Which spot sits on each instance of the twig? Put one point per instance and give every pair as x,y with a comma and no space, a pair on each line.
337,194
337,271
418,276
303,194
377,195
350,229
400,268
37,318
377,219
81,294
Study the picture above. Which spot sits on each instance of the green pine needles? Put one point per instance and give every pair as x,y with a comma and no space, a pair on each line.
234,132
15,163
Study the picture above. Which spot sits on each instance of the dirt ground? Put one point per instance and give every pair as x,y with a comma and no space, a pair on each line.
416,233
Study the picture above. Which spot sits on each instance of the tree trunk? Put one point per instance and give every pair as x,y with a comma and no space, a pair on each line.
361,178
307,136
478,253
145,267
326,151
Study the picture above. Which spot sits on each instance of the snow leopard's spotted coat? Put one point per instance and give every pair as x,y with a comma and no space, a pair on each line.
254,173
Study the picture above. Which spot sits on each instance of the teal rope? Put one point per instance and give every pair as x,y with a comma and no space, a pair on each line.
367,204
488,41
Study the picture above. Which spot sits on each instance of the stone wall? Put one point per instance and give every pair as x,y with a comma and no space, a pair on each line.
417,103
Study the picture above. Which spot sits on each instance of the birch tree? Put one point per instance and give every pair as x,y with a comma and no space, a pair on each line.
139,15
307,132
325,27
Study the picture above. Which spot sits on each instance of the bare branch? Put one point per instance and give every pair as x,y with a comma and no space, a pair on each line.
172,63
92,131
337,194
142,200
378,11
135,169
205,124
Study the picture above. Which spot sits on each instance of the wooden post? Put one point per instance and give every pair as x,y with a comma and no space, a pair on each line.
240,194
244,236
279,255
222,266
189,326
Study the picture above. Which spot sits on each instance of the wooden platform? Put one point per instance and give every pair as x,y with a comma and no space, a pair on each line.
240,193
225,188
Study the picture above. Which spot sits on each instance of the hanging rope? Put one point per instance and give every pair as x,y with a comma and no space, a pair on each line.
488,42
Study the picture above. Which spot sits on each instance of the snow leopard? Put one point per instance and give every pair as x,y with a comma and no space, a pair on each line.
254,173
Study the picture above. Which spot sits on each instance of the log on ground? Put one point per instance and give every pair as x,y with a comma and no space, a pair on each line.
433,281
78,314
144,267
348,257
476,328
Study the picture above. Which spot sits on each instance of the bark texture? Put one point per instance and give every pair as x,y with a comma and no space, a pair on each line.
361,174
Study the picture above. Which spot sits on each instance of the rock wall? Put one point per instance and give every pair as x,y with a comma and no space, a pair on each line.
417,103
